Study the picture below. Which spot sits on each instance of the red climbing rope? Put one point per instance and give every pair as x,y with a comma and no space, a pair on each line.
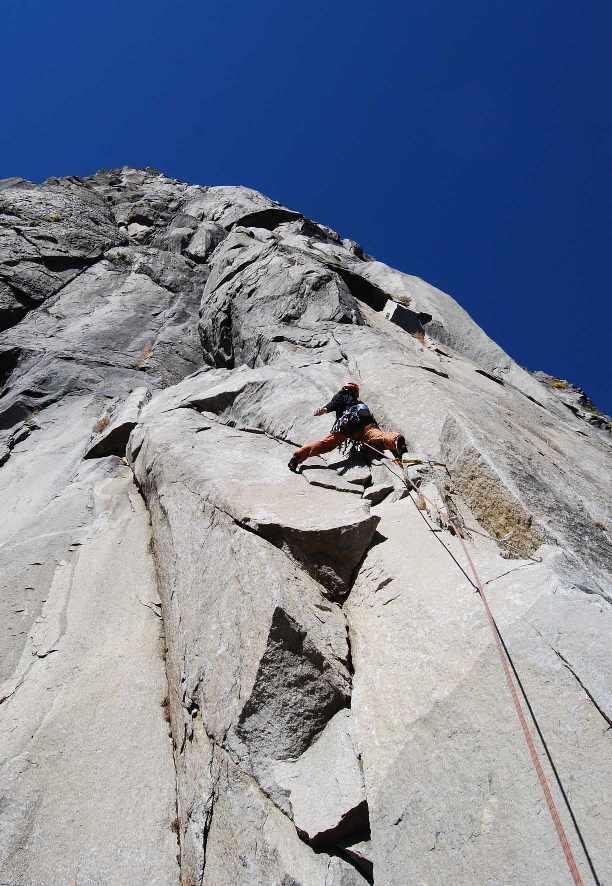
504,658
552,807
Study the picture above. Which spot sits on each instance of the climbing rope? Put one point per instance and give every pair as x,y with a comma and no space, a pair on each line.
509,670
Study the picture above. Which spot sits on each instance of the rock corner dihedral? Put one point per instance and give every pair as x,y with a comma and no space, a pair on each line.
216,671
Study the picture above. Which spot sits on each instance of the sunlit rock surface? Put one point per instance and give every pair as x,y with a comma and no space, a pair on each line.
215,671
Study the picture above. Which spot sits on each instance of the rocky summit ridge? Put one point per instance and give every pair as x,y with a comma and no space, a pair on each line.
218,672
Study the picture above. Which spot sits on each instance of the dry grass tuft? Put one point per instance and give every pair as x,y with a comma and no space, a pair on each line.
122,257
147,353
175,825
103,422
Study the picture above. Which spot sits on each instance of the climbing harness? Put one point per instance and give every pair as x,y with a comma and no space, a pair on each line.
509,670
352,419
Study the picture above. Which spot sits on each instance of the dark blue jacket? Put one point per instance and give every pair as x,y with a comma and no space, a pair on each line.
341,403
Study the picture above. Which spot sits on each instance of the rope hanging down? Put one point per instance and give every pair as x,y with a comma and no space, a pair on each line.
507,664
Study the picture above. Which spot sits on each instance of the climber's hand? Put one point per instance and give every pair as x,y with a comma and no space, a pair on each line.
319,411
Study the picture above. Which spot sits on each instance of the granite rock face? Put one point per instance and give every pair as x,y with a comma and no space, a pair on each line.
216,671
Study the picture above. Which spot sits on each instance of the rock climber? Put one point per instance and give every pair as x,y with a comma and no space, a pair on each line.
354,421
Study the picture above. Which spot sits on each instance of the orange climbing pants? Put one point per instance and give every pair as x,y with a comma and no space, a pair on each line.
371,435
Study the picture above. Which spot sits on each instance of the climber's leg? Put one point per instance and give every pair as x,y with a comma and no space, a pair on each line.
318,447
381,440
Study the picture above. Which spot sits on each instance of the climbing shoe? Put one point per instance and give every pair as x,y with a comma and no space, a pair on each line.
400,446
293,464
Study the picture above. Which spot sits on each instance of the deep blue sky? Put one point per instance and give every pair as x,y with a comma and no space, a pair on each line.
466,141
